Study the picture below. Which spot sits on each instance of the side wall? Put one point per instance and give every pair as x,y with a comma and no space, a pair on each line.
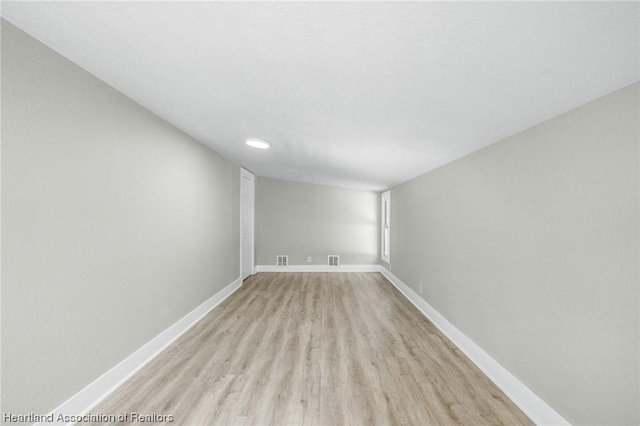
300,220
114,225
530,247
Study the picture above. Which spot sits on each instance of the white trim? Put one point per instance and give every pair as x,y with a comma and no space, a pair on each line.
318,268
531,404
244,173
385,222
100,388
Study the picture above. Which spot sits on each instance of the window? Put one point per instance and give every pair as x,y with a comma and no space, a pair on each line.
386,226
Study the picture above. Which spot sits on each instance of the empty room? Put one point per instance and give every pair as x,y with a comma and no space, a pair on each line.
320,213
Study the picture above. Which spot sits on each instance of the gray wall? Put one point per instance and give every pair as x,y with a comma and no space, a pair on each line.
530,247
114,225
300,220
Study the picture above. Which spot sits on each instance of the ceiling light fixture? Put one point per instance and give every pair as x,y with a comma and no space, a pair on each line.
258,143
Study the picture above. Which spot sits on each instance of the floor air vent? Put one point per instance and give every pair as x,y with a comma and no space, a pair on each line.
333,260
282,261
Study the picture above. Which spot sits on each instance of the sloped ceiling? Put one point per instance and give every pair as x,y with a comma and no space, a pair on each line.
363,95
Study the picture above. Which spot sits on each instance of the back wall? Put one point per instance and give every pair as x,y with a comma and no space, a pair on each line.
300,220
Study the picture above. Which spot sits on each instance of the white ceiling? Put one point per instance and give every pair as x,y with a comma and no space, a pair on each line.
363,95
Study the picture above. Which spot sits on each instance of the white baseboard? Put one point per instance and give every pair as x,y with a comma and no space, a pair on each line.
531,404
100,388
318,268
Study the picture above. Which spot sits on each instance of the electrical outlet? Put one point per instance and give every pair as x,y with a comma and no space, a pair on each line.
309,259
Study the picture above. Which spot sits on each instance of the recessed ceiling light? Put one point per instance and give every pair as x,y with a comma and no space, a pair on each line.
258,143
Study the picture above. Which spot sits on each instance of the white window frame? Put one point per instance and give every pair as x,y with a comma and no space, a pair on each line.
385,221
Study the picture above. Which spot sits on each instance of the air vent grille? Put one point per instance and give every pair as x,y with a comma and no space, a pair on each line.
333,260
282,260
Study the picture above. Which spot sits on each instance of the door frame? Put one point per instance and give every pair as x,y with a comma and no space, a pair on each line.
246,174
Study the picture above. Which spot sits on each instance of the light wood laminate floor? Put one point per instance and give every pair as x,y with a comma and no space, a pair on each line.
314,349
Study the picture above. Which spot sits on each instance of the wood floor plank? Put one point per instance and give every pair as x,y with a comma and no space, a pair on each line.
314,349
